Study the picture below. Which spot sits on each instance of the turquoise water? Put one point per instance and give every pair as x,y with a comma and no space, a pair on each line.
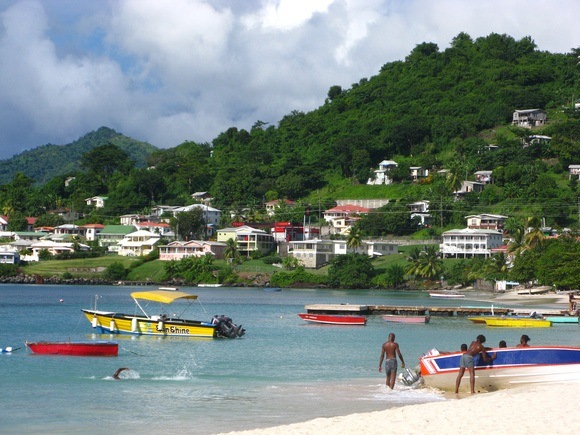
282,371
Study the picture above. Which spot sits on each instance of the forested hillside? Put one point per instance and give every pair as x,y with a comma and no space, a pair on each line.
436,109
48,161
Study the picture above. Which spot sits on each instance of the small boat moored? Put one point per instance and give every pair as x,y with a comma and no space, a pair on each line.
333,319
74,348
162,325
517,322
399,318
511,367
446,295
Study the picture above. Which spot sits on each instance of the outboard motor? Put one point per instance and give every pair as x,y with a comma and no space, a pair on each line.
226,327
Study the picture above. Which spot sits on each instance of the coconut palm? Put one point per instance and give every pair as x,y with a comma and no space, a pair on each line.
431,265
354,239
231,252
534,237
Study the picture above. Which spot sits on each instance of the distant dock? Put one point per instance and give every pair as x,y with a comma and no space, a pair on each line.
370,310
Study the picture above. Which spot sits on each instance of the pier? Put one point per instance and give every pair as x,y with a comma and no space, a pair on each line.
371,310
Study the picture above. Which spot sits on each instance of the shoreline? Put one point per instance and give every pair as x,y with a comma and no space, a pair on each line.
517,410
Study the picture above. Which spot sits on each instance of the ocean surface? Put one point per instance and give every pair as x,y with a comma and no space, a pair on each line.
282,371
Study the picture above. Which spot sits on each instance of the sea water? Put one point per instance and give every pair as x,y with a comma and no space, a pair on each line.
282,371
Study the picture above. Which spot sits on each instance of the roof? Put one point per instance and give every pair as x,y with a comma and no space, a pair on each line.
117,229
348,208
474,231
163,296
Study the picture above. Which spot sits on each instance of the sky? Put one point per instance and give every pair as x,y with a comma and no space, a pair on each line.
166,72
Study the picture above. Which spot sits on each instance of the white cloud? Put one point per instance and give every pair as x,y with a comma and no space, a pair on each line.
166,72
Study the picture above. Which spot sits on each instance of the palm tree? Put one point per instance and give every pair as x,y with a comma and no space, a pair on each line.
534,237
354,239
414,260
231,252
431,265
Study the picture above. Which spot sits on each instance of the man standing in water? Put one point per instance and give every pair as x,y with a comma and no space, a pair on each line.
466,361
390,350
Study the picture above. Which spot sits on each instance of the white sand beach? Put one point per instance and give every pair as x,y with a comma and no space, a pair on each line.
548,408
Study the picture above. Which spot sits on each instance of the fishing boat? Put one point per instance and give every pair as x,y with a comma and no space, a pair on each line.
517,322
446,295
562,319
209,285
398,318
334,319
74,348
511,367
161,325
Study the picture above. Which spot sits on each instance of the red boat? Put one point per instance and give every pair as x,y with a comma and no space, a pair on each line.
334,319
74,348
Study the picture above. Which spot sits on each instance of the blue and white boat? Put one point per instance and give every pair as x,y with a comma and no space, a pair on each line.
512,366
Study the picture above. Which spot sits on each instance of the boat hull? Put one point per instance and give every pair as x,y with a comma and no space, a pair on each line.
446,295
518,323
562,319
406,319
72,348
333,319
511,367
117,323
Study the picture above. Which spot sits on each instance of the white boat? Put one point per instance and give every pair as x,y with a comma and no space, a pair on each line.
447,295
512,366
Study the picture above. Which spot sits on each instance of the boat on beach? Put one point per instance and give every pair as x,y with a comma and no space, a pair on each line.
399,318
446,295
74,348
162,325
511,367
333,319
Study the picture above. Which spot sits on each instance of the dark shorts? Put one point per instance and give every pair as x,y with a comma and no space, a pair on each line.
466,361
390,365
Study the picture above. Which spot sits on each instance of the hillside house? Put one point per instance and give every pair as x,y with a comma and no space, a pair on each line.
381,175
138,243
178,250
418,172
316,253
3,223
53,247
272,206
90,231
132,219
486,221
469,242
202,197
467,187
248,239
211,216
96,201
66,214
9,255
484,177
111,235
420,211
574,171
529,118
160,228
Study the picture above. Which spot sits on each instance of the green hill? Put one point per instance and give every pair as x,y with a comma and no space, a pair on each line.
48,161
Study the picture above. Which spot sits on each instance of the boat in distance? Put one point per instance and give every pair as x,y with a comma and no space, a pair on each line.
333,319
517,322
446,295
562,319
74,348
511,367
399,318
162,325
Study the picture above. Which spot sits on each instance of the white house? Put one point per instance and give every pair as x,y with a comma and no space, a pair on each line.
382,174
316,253
90,231
486,221
212,216
469,242
177,250
138,243
96,201
418,172
574,171
420,211
529,118
484,177
53,247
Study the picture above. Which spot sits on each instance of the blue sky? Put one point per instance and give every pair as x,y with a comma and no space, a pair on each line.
169,71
